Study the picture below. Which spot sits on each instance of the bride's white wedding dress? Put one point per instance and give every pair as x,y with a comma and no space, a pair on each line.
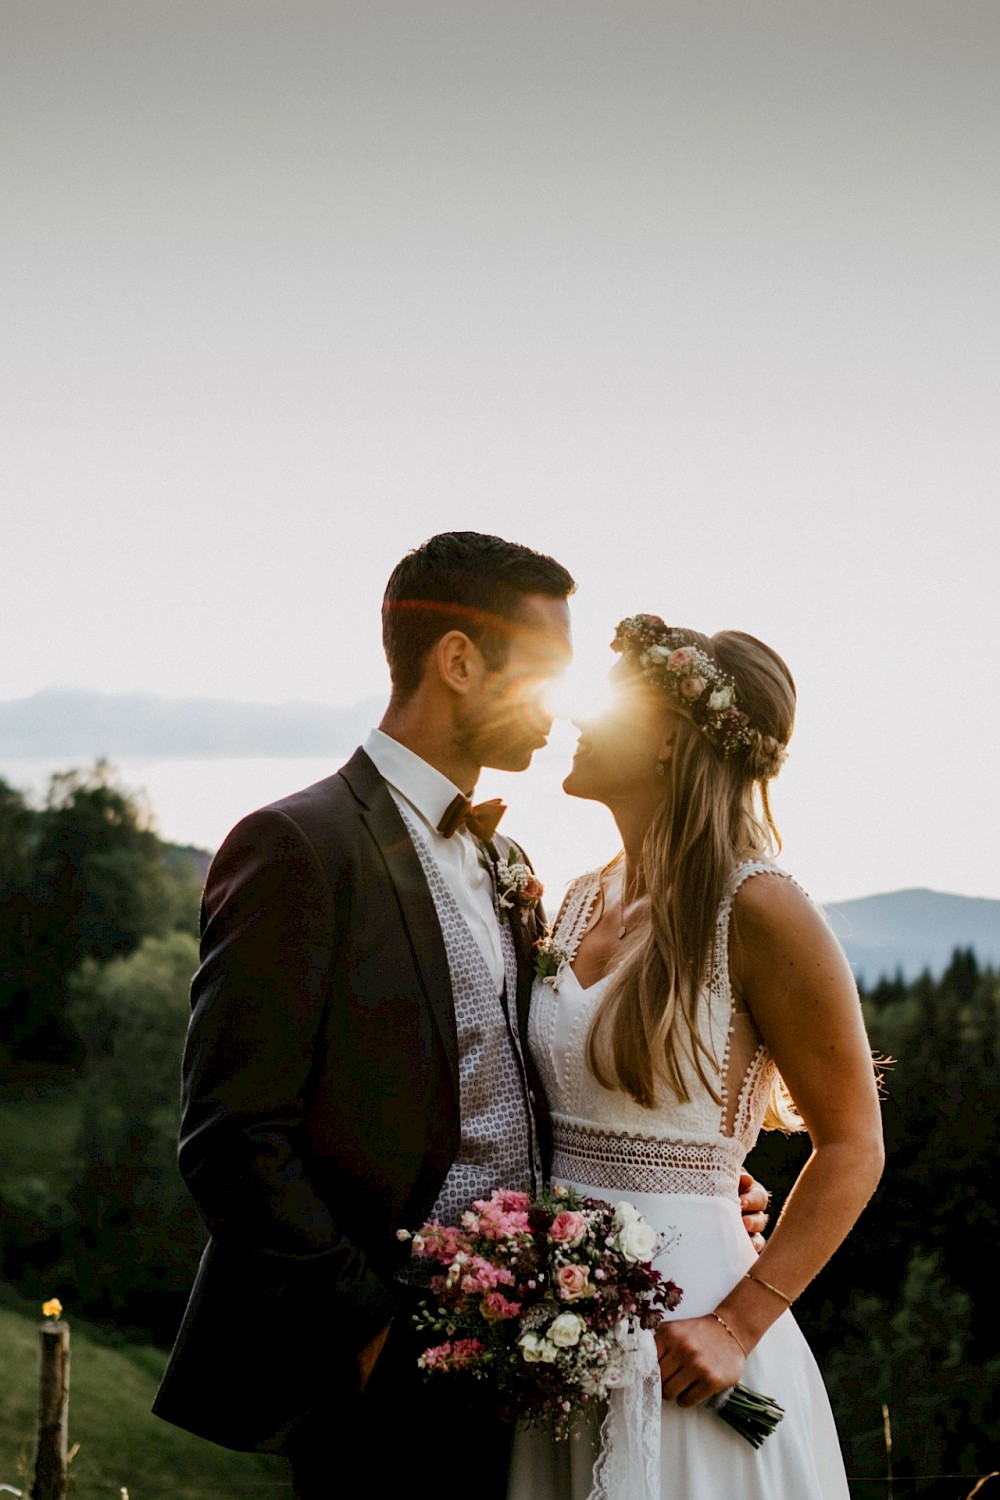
679,1165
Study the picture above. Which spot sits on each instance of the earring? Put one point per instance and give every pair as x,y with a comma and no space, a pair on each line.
660,769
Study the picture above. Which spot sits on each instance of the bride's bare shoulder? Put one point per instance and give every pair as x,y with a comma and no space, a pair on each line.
766,894
778,928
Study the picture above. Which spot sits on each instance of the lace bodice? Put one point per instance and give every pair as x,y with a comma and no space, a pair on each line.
605,1129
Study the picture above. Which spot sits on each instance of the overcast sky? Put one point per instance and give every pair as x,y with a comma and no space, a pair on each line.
701,298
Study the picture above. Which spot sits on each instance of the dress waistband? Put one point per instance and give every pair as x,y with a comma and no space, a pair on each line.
628,1162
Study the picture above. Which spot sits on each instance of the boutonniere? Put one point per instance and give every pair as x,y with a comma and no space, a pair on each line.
551,961
518,888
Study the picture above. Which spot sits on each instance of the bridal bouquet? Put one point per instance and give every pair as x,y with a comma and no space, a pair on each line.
543,1296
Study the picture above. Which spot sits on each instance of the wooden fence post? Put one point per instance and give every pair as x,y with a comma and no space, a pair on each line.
53,1412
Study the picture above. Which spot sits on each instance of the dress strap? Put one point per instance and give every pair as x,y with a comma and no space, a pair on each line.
574,914
736,878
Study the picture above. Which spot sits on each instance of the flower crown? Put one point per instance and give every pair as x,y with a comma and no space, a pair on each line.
690,676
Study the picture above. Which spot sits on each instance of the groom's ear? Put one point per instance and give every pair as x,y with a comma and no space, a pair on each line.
459,661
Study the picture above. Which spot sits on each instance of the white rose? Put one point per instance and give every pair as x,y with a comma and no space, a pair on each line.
625,1213
565,1330
637,1240
535,1349
658,653
721,698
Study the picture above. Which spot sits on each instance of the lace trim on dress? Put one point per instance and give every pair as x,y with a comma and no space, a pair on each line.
637,1163
754,1096
758,1070
747,1072
575,911
571,923
629,1461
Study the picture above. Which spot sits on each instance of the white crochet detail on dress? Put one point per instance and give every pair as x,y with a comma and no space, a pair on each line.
738,1064
637,1163
574,914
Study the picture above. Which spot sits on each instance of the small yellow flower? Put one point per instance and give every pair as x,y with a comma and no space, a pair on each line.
52,1308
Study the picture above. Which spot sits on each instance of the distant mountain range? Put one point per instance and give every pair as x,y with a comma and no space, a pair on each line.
914,930
72,723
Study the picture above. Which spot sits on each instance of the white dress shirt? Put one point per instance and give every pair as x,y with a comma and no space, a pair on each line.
427,793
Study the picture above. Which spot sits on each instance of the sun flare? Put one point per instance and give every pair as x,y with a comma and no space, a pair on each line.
585,692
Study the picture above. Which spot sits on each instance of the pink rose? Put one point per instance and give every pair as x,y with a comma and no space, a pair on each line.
573,1282
682,657
531,892
568,1228
692,687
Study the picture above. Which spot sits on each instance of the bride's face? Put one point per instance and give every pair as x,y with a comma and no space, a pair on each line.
617,753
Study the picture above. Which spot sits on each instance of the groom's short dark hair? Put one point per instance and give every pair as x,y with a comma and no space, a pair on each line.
461,580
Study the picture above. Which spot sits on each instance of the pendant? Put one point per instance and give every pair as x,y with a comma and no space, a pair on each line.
622,931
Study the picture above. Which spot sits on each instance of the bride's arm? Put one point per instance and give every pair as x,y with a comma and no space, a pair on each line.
795,980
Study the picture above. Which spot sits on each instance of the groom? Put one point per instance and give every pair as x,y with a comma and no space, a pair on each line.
357,1056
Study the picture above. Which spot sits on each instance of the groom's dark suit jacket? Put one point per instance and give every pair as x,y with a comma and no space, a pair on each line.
320,1105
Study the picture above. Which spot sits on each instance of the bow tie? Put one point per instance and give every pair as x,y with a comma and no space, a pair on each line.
480,818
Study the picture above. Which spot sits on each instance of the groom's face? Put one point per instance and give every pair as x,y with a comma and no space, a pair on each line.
508,717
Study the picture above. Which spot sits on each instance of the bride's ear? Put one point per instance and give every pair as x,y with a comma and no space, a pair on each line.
665,749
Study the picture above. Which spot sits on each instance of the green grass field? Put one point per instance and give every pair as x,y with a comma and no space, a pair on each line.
121,1444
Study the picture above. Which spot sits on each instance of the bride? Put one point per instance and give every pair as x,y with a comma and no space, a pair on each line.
694,970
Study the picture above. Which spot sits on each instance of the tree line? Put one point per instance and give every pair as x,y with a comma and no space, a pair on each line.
97,946
98,924
84,876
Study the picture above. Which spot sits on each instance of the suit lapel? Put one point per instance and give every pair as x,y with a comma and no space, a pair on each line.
415,901
524,935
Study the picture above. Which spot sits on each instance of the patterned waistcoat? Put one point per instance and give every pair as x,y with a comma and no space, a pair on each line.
498,1140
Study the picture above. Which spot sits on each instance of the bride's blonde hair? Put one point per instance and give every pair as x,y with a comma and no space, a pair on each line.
715,813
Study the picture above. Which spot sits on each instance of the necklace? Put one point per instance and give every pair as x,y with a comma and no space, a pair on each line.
622,924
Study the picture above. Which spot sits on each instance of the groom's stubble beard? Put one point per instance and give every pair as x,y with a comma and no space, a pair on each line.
503,741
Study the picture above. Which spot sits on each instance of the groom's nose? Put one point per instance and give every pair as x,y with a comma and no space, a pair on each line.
538,713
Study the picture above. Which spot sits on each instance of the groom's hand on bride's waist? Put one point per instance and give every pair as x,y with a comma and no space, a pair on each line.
754,1199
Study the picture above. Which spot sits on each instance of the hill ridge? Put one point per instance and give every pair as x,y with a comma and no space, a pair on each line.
910,930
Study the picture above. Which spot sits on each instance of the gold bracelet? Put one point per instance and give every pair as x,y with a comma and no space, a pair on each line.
732,1335
761,1282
